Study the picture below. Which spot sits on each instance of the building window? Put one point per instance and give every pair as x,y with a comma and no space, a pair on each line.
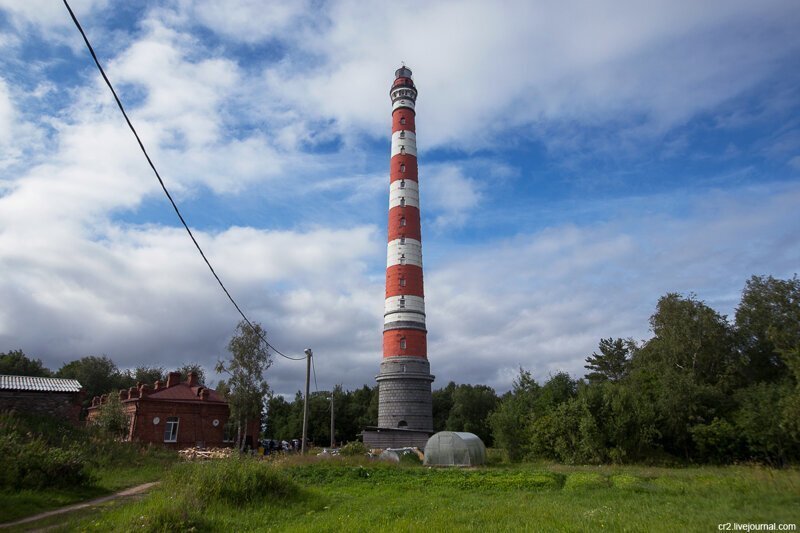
403,149
402,184
402,343
402,134
402,120
402,303
402,282
402,201
402,222
403,240
171,429
402,167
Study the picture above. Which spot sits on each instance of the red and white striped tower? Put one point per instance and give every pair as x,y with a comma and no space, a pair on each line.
404,380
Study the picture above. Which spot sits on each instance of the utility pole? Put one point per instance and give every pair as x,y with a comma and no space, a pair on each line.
333,435
305,400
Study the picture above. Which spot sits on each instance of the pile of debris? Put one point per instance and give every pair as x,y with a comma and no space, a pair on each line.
396,455
192,454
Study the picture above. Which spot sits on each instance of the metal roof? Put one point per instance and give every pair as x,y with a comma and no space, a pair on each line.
39,384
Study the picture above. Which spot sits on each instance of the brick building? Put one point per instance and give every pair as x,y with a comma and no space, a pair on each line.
177,414
45,396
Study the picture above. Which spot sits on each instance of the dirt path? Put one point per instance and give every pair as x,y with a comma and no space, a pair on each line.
90,503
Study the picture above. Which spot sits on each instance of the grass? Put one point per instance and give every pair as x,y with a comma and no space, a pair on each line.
108,478
304,494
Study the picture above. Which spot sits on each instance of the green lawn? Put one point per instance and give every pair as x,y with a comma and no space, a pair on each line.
335,495
19,504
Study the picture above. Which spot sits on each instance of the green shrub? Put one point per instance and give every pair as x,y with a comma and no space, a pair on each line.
29,463
717,442
352,449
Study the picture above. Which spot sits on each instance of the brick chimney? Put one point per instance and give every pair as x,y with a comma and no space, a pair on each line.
144,390
193,382
173,379
204,394
133,393
158,385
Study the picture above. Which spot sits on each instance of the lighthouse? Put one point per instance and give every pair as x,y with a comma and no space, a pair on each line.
404,380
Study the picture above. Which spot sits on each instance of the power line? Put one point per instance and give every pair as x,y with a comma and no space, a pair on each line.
314,368
164,187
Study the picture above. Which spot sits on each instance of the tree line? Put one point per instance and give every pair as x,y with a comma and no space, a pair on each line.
702,389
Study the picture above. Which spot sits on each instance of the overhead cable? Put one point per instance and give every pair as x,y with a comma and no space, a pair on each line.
164,187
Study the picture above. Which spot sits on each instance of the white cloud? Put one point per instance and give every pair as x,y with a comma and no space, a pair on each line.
481,69
448,194
46,14
248,21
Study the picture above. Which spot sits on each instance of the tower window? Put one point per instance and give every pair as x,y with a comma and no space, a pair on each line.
402,240
402,221
402,282
403,149
402,120
402,303
403,343
402,134
402,167
402,201
402,184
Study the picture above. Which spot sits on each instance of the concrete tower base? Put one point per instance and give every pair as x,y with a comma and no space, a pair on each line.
404,394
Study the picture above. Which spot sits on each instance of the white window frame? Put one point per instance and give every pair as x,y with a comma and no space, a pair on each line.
171,429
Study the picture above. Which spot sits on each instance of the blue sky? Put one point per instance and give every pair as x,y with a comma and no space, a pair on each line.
578,160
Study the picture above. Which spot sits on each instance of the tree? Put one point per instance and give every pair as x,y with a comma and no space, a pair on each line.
442,404
16,363
149,374
471,407
613,361
767,324
510,419
249,359
692,339
279,424
197,368
112,419
97,375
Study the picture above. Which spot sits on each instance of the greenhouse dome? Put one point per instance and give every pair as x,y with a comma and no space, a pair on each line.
454,448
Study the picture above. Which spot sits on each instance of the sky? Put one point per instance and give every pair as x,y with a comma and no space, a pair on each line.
578,160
